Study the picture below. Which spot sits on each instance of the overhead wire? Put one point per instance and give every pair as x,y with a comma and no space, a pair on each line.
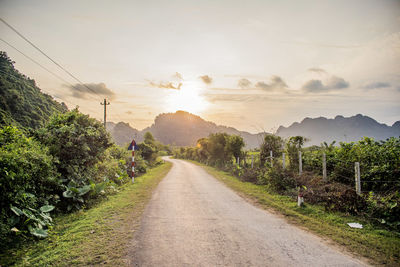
43,67
43,53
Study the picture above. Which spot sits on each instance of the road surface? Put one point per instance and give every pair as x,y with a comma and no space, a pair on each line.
194,220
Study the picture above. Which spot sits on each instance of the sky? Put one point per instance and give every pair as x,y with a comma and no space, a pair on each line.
253,65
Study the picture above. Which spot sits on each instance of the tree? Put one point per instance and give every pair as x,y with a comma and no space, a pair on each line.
77,142
217,148
148,138
234,145
203,149
272,143
293,146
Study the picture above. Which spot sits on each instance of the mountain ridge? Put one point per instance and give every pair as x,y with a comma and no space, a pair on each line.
181,129
339,129
184,129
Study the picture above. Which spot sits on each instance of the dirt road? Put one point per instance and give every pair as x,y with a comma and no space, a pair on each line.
194,220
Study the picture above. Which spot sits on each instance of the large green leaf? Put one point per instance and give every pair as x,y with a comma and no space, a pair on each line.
47,208
38,232
99,187
68,194
74,190
29,214
83,190
17,211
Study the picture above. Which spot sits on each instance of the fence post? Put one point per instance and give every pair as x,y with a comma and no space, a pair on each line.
283,160
271,157
300,164
238,162
357,177
133,163
324,178
252,161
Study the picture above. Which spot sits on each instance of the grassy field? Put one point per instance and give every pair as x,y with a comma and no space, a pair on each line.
95,236
380,246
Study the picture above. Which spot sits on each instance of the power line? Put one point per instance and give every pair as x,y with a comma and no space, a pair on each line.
40,65
43,53
34,61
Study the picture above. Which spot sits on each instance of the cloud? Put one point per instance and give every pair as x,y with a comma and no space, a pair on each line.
337,83
275,83
178,76
83,90
376,85
333,83
166,85
317,70
206,79
313,86
244,83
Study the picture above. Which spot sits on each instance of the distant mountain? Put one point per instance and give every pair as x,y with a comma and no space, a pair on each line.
180,128
123,133
21,102
340,129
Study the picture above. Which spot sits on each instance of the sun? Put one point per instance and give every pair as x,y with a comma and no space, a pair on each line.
188,99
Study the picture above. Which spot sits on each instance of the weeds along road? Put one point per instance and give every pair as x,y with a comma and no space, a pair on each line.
194,220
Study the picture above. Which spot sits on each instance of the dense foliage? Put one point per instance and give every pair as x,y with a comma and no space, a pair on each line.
66,165
28,181
21,101
77,142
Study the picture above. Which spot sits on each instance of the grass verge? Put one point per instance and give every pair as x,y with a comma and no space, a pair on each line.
95,236
380,246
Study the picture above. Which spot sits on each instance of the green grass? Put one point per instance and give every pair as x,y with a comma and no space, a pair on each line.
380,246
99,235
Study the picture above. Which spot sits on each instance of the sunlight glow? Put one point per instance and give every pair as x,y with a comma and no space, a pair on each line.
188,99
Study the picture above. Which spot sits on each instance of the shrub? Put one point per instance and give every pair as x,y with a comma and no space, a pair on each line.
113,166
28,181
251,175
385,209
78,143
278,178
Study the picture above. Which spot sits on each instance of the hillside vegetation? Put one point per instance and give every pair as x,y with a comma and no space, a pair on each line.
21,102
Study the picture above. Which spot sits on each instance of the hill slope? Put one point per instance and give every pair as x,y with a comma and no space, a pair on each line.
21,101
339,129
184,129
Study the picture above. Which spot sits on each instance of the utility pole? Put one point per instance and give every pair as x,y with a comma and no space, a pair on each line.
105,103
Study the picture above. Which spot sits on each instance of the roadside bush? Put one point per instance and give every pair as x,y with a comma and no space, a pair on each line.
77,142
28,181
112,166
385,209
278,178
251,175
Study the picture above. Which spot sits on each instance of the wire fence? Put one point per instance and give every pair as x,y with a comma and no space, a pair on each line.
336,170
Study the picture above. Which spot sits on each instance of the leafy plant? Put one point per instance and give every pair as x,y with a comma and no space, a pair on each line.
36,221
76,195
